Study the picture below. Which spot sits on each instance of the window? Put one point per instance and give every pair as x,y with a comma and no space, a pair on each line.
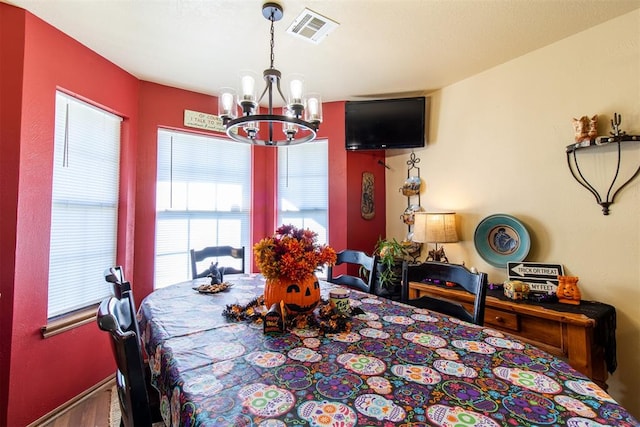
203,194
84,218
303,187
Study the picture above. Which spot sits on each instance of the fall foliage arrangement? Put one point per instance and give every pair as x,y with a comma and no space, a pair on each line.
292,253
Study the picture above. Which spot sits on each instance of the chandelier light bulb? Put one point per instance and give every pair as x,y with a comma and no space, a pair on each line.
296,89
313,113
289,129
227,101
248,87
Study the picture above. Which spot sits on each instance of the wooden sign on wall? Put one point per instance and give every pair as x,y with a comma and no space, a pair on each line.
367,205
196,119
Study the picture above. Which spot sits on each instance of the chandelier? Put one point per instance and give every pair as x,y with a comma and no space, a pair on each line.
299,119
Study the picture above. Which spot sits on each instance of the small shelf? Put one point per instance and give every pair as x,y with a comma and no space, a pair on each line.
607,199
602,141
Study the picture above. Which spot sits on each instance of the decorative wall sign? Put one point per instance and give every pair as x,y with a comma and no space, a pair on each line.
540,277
196,119
367,206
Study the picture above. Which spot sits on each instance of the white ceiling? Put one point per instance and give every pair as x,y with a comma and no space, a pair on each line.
381,48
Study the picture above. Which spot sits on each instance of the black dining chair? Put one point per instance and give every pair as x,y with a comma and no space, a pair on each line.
217,252
139,401
363,261
474,283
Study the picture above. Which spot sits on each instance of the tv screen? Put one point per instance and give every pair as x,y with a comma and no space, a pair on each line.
385,124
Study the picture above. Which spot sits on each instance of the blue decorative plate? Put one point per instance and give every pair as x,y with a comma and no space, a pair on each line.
500,239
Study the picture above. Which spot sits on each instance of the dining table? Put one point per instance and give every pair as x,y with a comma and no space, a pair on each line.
391,365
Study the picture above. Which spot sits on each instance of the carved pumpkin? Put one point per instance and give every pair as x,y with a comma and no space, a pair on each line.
568,291
298,296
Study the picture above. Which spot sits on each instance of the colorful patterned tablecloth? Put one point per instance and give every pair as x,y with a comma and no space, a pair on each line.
398,366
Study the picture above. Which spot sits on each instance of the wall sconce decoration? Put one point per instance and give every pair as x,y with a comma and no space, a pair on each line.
433,227
411,190
617,137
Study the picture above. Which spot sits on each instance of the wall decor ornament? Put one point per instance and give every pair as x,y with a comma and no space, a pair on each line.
367,205
411,190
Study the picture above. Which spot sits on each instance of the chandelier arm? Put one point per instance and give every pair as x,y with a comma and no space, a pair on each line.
263,93
280,91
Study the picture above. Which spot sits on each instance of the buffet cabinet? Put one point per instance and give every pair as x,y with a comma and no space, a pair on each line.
568,335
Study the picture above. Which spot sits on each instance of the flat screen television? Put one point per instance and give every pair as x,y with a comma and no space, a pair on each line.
385,123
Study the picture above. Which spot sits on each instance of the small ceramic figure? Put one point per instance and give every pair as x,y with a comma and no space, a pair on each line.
215,274
585,128
516,290
568,291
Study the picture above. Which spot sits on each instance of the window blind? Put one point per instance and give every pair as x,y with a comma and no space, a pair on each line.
84,205
303,187
203,198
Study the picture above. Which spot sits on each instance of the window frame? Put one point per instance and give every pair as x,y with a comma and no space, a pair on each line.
187,209
73,142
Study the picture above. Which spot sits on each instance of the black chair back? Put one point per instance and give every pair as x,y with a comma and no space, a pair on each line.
113,315
361,259
216,252
122,291
474,283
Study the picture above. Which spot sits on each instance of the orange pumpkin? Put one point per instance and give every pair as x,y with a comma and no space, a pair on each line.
299,296
568,291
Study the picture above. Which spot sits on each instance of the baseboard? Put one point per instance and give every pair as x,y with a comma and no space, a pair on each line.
107,383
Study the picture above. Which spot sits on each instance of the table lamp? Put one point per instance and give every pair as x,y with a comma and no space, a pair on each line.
433,227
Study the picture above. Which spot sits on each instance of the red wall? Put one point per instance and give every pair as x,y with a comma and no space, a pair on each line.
45,373
11,53
37,375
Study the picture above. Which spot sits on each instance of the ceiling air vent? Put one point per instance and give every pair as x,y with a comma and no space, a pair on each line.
311,26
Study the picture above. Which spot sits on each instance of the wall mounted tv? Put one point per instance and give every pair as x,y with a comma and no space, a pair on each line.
386,123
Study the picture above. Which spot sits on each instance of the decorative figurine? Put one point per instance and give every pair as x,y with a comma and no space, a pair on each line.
568,291
215,274
586,129
516,290
274,320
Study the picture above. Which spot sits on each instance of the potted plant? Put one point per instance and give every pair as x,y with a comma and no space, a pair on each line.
390,253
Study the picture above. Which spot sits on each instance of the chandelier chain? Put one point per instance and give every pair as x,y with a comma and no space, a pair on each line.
272,37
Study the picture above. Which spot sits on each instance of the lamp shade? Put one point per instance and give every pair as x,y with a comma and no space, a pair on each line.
430,227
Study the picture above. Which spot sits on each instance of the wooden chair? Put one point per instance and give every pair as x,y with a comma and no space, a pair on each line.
139,401
216,252
130,376
349,256
474,283
115,275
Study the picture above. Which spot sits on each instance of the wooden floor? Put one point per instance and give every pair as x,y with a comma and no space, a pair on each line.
93,411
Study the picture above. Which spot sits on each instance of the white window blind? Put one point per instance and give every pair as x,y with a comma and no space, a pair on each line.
303,187
203,198
84,206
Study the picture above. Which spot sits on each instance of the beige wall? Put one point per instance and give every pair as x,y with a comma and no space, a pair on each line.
497,145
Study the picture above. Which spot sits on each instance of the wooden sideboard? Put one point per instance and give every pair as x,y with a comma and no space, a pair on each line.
564,334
